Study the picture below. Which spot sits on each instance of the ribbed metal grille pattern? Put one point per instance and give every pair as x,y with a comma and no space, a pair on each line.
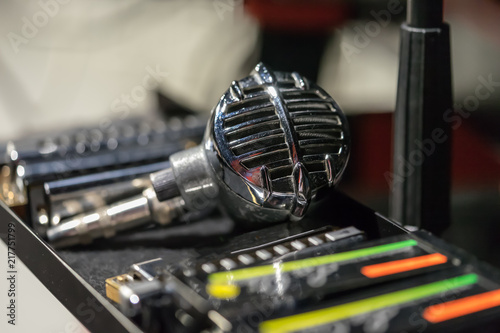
255,135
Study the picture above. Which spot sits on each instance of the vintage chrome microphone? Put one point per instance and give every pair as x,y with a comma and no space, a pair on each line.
274,141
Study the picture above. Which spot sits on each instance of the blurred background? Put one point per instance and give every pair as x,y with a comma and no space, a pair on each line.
65,63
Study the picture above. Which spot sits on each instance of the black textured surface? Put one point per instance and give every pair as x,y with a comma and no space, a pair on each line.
95,266
110,257
212,236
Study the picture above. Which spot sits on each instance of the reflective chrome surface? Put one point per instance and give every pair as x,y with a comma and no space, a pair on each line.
108,220
274,140
278,138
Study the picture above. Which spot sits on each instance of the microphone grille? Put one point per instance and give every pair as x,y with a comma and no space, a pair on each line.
282,133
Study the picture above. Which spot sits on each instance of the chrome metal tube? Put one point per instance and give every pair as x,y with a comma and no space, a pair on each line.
107,221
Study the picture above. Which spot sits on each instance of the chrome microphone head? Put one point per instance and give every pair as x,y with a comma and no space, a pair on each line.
274,140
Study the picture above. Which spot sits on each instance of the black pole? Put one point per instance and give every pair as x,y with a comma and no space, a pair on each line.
421,183
425,13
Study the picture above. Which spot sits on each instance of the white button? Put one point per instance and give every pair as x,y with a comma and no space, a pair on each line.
246,259
263,254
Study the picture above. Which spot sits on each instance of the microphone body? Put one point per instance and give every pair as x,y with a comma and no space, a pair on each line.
274,143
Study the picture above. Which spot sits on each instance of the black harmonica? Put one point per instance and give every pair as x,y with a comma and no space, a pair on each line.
47,174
